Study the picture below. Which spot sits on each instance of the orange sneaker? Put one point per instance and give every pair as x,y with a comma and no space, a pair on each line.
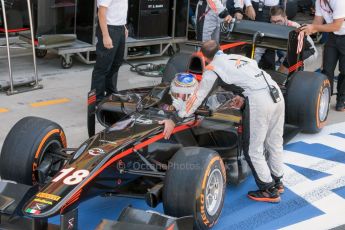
279,185
270,195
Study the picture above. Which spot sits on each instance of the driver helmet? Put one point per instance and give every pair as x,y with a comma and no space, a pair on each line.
183,86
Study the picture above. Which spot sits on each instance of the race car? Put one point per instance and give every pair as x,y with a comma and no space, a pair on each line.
130,157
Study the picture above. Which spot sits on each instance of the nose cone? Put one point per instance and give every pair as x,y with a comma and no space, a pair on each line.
41,204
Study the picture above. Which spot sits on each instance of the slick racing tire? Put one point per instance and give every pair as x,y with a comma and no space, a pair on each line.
30,145
307,101
176,64
195,185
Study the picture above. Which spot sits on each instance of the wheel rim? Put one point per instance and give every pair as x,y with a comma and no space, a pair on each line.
324,105
214,192
50,160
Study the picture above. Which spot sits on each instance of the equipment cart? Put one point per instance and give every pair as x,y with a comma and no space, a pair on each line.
146,45
147,20
31,82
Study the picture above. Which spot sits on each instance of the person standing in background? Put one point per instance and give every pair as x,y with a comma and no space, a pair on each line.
111,34
333,12
235,8
209,14
259,10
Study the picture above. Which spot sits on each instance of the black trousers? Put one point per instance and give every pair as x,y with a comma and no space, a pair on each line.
264,15
335,51
108,62
200,19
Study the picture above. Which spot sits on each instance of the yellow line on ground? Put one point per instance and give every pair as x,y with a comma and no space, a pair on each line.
50,102
3,110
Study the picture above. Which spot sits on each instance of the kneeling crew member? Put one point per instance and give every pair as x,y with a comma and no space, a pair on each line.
278,16
266,120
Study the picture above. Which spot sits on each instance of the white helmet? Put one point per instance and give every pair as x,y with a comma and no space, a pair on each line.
183,86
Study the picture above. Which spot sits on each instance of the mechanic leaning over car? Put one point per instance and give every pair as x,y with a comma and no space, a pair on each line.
266,118
111,35
333,12
209,14
278,16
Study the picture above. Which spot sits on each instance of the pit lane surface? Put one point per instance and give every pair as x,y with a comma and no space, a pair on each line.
314,196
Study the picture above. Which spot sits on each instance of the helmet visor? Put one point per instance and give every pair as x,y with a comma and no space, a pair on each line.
182,96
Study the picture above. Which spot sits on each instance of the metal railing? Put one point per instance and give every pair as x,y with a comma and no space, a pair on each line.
34,84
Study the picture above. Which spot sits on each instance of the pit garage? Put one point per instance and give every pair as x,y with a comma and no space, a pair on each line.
69,161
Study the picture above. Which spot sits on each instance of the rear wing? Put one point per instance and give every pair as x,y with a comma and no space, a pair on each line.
273,36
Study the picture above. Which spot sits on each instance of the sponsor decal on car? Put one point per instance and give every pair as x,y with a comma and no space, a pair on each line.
143,120
96,152
71,178
36,208
48,196
32,211
39,206
43,201
202,210
71,223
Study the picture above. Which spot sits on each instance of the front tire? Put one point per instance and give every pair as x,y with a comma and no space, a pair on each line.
195,185
307,101
31,144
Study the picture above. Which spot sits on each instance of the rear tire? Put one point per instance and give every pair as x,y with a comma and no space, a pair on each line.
307,101
177,64
194,174
26,146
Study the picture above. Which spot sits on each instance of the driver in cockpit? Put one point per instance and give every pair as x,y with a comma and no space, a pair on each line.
183,93
183,86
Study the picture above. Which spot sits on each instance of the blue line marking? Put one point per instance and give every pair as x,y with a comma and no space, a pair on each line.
317,150
239,212
311,174
342,135
340,191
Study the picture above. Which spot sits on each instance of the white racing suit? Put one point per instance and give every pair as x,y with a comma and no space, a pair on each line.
209,16
266,119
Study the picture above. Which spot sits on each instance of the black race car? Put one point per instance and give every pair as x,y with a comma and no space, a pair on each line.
130,157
